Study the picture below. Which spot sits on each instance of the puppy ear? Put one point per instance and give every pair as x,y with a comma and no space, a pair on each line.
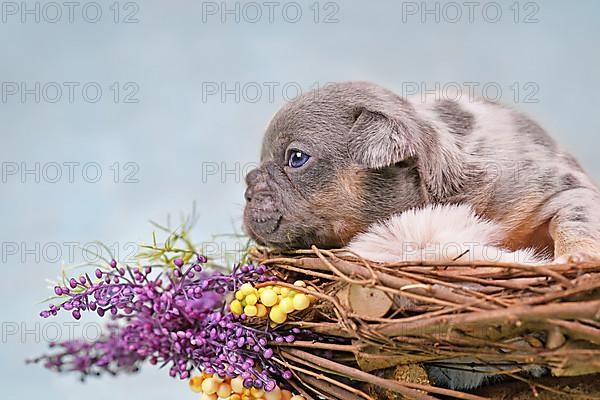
377,140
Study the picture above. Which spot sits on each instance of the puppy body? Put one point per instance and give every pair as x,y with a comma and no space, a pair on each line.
517,176
373,154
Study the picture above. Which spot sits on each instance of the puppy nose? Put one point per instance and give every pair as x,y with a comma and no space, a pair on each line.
256,184
248,194
252,176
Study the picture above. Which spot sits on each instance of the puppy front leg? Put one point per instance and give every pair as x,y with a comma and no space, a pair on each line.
575,224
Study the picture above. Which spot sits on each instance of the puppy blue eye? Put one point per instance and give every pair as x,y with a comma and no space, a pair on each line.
297,158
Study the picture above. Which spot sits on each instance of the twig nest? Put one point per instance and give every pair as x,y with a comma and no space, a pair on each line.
504,318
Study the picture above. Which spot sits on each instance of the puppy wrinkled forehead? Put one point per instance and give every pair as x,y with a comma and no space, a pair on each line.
310,135
322,117
310,123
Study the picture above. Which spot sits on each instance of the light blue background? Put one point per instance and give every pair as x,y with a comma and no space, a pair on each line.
172,130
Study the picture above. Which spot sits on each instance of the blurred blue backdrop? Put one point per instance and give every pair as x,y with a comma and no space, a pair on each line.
116,113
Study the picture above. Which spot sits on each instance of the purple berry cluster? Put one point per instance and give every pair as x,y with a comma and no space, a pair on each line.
175,317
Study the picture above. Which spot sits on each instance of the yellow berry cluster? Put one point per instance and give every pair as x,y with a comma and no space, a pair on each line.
212,388
276,301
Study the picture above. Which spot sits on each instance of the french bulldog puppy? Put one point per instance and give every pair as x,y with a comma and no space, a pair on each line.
337,160
346,162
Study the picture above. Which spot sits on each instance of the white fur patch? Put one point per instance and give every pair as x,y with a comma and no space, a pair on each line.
437,233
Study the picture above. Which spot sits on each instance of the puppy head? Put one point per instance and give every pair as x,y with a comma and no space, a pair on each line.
333,162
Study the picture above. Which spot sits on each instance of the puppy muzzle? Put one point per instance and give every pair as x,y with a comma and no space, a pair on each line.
261,215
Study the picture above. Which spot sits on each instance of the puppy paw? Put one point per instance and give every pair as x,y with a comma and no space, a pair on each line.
456,379
464,379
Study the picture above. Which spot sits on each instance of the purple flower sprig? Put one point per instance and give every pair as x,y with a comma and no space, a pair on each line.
176,317
108,355
124,288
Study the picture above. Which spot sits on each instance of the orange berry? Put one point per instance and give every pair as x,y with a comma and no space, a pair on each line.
251,299
224,390
268,297
195,383
286,305
274,394
236,307
301,302
277,315
250,311
261,310
210,386
237,384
